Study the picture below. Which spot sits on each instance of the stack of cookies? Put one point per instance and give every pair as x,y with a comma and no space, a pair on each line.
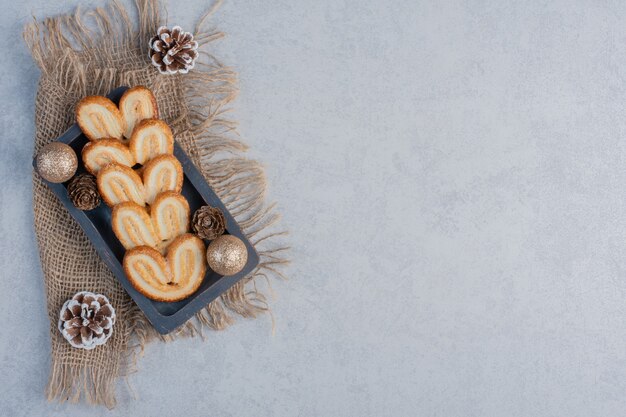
131,154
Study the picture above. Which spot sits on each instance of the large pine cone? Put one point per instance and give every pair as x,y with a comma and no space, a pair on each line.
86,320
83,191
173,51
208,222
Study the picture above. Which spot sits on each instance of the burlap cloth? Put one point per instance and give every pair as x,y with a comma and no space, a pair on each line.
93,53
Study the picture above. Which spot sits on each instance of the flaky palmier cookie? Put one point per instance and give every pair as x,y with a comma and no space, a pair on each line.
146,269
137,104
118,183
99,118
103,152
176,277
170,215
132,226
150,138
186,258
163,173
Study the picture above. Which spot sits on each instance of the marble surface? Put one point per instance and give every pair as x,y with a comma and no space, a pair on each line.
453,175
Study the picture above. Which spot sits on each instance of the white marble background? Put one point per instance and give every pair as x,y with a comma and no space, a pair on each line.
454,177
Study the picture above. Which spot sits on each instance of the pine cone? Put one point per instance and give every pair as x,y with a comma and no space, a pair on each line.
83,191
86,320
208,222
173,51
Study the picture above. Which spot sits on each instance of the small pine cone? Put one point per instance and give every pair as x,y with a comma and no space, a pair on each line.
86,320
173,51
208,222
83,191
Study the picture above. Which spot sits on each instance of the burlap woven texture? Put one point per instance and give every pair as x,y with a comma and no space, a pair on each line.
93,53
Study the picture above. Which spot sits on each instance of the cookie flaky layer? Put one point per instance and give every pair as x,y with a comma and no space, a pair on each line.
170,215
163,173
98,154
118,184
172,278
99,118
137,104
151,138
132,226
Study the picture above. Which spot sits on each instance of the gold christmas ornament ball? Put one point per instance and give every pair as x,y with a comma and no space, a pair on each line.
227,255
57,162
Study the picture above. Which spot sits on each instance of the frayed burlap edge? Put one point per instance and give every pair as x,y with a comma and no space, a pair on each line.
78,58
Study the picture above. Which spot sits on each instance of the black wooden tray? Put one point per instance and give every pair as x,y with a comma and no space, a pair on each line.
165,317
